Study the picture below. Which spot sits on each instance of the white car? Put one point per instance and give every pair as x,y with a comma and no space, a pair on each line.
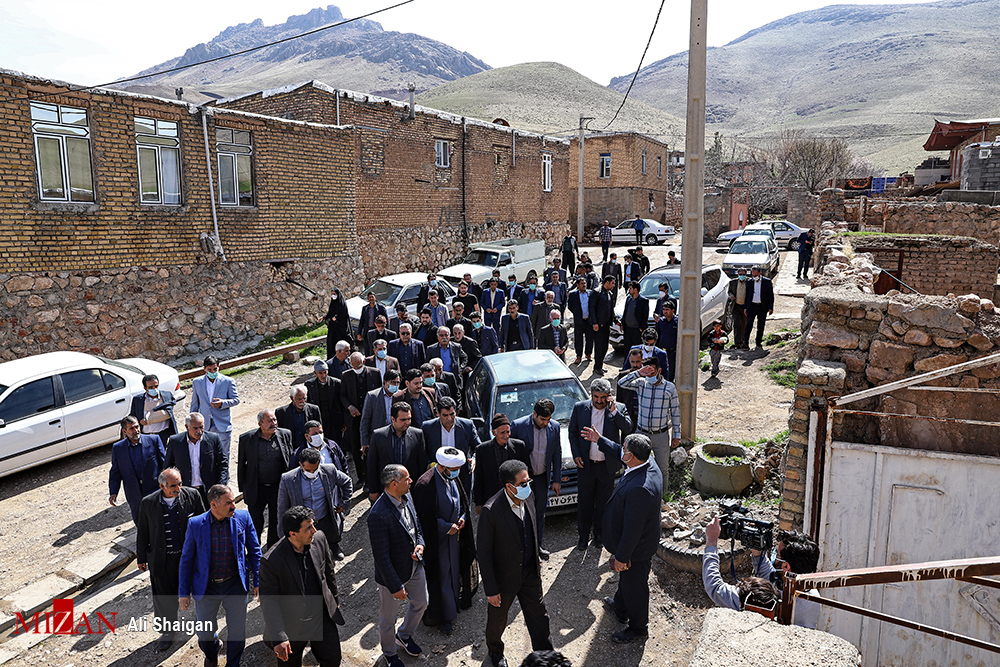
714,296
56,404
399,287
783,232
750,251
624,232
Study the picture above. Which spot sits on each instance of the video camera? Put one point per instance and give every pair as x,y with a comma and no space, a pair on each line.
752,533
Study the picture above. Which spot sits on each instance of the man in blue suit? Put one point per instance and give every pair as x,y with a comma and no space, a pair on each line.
407,350
214,395
540,434
398,552
595,471
449,430
632,531
220,565
492,303
154,408
515,330
484,335
136,461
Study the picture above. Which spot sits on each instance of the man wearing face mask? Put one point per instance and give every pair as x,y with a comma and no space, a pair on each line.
531,297
378,405
760,304
154,408
659,412
442,506
513,291
446,381
485,336
492,303
418,393
666,334
330,452
425,290
380,332
507,550
295,415
323,489
355,385
540,313
399,442
738,299
214,395
380,359
648,348
555,336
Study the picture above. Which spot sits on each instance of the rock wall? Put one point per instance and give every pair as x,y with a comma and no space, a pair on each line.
171,313
952,218
853,341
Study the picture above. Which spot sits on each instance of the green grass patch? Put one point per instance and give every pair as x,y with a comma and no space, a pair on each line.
680,484
777,437
782,372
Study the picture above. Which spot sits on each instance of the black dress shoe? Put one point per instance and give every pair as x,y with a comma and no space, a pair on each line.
338,553
465,602
447,628
597,543
582,544
628,635
498,660
163,643
543,553
609,604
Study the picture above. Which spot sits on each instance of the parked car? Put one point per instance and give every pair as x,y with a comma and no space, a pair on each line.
511,383
624,232
56,404
784,233
525,258
390,290
746,253
714,295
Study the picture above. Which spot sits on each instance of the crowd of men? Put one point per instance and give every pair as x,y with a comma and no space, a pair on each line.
448,512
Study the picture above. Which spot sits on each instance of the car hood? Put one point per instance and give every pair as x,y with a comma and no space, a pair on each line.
354,306
478,271
731,235
167,376
754,258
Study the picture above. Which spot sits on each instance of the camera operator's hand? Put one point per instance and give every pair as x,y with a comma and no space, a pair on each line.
712,532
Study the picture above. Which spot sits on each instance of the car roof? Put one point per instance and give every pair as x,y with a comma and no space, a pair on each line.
527,366
42,364
404,279
676,268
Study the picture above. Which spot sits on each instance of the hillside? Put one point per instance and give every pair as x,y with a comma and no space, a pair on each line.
359,56
549,98
876,75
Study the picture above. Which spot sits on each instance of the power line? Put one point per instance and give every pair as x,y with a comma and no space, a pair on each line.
634,76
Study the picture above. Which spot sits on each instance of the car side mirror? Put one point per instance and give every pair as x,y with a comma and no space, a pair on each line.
704,291
2,423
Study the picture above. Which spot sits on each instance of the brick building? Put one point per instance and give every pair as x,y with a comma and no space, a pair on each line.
625,174
434,181
956,137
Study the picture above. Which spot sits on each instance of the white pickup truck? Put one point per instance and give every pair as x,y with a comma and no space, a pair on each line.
525,258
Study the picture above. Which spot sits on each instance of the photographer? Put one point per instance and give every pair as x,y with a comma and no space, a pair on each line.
798,554
757,591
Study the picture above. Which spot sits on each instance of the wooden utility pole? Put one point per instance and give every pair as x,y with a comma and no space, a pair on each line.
694,224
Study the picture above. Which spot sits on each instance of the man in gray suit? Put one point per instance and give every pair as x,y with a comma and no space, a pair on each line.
375,413
323,489
265,454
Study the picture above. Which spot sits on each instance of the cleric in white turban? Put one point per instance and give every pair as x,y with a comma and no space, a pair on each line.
451,458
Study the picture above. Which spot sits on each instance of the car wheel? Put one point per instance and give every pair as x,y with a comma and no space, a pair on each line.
651,239
793,244
690,560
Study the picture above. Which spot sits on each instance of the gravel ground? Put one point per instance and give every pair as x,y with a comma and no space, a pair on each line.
740,404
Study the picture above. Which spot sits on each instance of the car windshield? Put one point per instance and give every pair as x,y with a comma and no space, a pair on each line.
757,232
516,401
3,388
749,248
385,293
482,257
649,287
118,364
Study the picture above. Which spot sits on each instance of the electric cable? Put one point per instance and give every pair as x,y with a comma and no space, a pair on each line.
634,76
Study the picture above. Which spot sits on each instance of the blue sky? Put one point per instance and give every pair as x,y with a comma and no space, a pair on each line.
100,40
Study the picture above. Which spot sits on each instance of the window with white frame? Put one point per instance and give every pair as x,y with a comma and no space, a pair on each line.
158,148
235,151
604,170
659,166
442,153
644,161
62,153
546,172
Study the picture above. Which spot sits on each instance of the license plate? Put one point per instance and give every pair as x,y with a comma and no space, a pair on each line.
566,499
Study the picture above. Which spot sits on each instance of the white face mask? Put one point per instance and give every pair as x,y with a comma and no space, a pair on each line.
358,370
310,475
316,440
648,349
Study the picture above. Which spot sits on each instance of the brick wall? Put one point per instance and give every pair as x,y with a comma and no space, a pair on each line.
717,214
853,341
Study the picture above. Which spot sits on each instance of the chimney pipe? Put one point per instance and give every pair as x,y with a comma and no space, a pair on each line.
412,87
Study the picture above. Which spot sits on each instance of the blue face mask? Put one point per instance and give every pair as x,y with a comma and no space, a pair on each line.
451,474
522,492
512,282
476,325
380,354
153,393
393,388
434,283
212,376
743,278
556,322
428,382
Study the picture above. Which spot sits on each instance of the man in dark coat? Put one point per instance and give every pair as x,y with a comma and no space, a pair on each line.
323,391
451,354
634,317
136,460
450,430
442,505
366,322
555,336
196,444
604,318
298,567
265,454
515,330
396,443
760,304
380,332
338,321
408,351
485,336
163,519
584,304
807,241
355,384
294,416
540,435
154,408
490,455
469,345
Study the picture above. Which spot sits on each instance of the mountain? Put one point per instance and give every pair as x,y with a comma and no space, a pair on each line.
358,56
549,98
876,75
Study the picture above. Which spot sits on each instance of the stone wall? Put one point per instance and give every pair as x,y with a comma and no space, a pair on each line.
803,208
853,341
717,213
981,167
953,218
166,312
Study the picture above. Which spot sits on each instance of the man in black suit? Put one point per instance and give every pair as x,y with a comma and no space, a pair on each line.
355,384
380,332
469,345
760,304
635,316
539,317
612,269
451,354
396,443
632,271
198,455
291,574
294,416
366,322
583,303
515,330
408,351
555,336
154,408
323,391
632,531
265,454
596,472
449,430
423,297
163,518
448,381
402,317
507,550
458,314
490,455
605,318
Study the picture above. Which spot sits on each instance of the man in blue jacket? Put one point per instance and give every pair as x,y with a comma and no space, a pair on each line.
136,460
220,565
540,434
